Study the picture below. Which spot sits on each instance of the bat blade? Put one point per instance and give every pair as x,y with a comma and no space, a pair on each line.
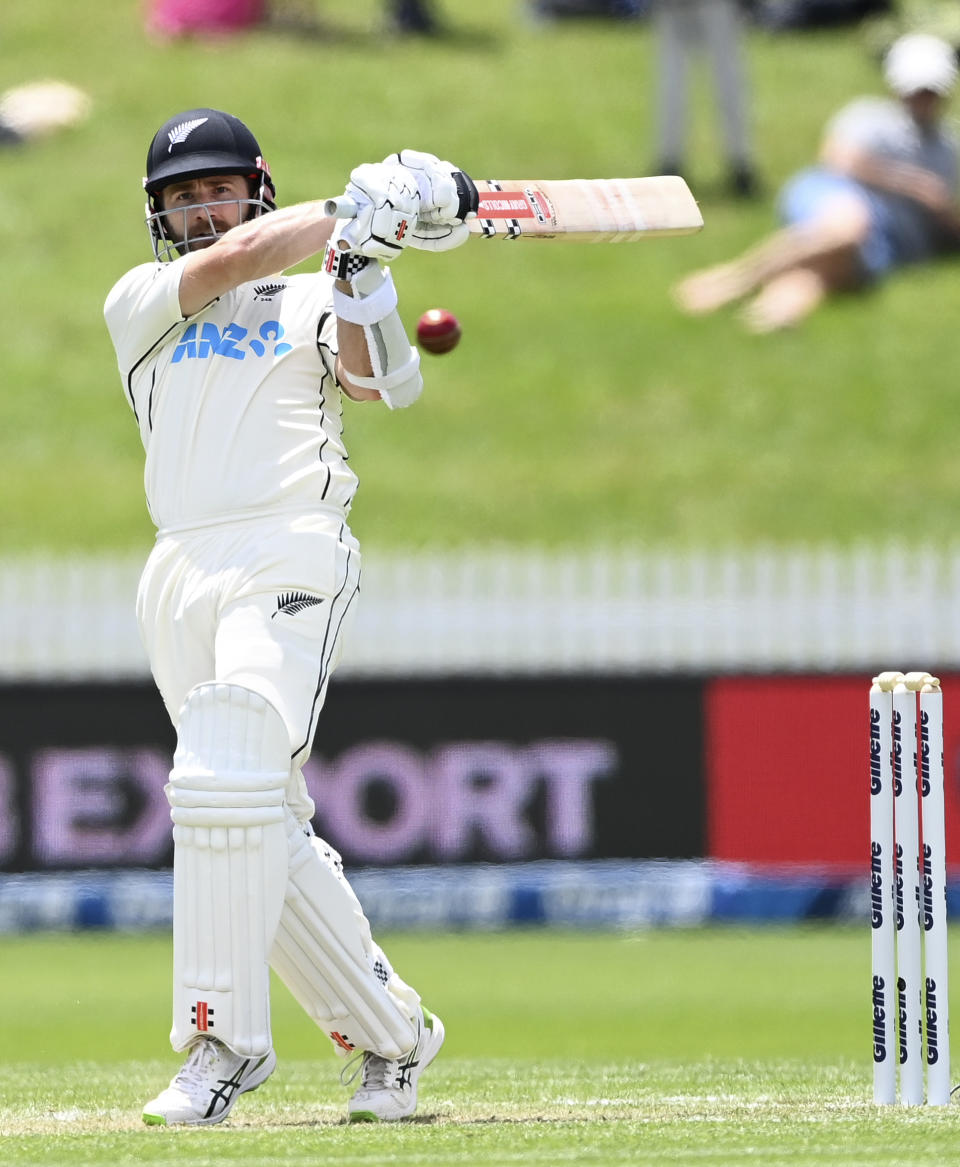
599,210
582,210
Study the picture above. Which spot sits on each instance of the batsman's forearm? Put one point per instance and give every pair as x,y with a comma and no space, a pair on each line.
277,241
353,355
252,251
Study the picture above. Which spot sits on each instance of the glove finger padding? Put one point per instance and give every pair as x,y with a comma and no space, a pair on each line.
352,232
434,237
388,203
447,194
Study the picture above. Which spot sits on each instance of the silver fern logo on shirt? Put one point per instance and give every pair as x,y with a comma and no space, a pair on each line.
179,134
290,603
267,291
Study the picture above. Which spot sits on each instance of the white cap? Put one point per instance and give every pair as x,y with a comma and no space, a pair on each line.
920,61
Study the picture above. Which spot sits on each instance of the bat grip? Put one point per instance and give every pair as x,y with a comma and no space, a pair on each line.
340,208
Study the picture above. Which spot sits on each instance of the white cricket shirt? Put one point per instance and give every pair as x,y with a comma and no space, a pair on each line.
238,406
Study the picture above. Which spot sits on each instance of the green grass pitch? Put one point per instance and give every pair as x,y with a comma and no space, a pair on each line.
711,1046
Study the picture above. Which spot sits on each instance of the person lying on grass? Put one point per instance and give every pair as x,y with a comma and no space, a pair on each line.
883,194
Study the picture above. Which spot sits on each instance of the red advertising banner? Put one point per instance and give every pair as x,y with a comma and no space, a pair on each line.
788,770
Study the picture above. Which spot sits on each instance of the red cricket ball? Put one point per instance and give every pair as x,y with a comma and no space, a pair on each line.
438,331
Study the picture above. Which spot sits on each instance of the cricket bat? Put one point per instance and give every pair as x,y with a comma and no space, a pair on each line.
584,210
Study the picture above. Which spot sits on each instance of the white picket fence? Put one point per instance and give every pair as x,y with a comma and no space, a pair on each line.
525,611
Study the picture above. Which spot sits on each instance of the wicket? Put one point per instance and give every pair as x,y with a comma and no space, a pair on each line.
908,890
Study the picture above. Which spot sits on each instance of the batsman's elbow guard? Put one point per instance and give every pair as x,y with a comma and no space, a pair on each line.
394,361
405,391
399,387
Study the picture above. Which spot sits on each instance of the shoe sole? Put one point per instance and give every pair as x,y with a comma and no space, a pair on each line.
438,1033
254,1082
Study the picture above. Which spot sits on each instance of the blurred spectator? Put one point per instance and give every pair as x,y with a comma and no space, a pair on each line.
416,16
687,29
170,19
617,9
799,14
38,109
883,194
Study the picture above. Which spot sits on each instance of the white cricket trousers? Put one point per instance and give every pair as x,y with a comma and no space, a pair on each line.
264,603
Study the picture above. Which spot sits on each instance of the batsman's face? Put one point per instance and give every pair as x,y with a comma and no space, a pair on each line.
199,210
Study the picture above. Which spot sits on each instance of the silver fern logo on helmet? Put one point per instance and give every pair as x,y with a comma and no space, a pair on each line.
180,133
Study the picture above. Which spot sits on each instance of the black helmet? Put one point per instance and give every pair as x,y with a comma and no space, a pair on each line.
195,143
204,141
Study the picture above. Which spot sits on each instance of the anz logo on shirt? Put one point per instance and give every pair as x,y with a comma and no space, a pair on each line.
233,340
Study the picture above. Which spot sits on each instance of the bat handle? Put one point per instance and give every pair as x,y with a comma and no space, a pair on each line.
340,208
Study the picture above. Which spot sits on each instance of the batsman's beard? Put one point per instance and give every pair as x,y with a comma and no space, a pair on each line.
185,230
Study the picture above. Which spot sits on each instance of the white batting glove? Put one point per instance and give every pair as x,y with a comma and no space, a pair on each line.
443,199
388,205
437,236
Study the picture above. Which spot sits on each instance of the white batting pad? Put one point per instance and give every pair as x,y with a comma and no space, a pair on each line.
325,955
229,864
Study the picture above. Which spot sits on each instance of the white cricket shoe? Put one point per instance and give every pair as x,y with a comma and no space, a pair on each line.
388,1088
209,1082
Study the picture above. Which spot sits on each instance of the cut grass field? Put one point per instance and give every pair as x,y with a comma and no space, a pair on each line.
580,405
712,1046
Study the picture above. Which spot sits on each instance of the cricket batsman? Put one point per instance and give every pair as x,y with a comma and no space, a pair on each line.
236,372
